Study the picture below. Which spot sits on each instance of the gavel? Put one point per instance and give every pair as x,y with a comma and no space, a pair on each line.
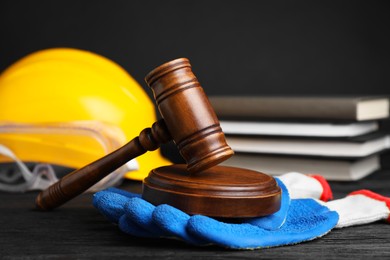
189,120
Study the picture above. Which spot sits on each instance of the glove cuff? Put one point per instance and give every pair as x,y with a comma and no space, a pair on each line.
374,196
326,194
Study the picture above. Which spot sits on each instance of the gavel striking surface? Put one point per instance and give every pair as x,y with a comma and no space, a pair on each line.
220,191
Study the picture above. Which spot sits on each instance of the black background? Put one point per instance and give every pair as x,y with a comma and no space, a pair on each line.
236,47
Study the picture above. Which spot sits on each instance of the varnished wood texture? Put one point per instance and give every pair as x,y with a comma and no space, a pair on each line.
188,114
190,121
219,191
80,180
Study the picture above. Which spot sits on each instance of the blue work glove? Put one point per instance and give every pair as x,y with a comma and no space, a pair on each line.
111,203
297,221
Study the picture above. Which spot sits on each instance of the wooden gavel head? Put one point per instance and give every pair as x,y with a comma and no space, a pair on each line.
188,115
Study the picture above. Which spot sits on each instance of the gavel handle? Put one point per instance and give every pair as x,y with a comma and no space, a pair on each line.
80,180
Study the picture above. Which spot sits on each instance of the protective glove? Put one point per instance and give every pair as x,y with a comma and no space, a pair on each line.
306,186
306,220
357,208
293,185
112,204
297,221
360,207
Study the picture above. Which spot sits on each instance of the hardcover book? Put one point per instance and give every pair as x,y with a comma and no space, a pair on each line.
359,146
336,169
298,129
301,108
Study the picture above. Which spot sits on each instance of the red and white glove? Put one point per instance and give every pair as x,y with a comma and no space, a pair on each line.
360,207
357,208
306,186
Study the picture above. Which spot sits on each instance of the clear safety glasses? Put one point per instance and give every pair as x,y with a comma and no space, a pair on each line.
66,144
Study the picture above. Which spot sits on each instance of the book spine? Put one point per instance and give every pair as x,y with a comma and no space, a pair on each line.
279,108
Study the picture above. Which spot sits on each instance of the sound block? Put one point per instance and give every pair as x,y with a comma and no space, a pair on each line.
220,191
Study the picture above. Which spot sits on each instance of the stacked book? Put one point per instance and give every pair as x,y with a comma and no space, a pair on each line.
337,137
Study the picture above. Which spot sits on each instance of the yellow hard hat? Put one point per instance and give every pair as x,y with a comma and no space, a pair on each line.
70,107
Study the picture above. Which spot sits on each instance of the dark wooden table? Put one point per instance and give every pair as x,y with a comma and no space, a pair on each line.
77,230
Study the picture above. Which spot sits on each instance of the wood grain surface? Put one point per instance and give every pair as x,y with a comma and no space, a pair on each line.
78,231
